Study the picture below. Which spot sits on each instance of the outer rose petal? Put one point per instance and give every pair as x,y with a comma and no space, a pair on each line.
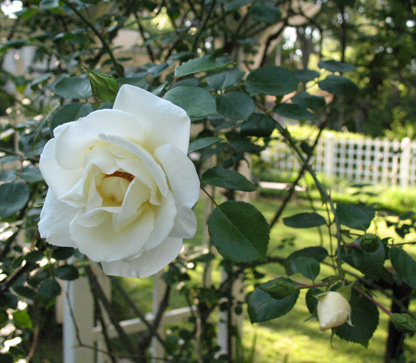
102,243
149,263
74,139
166,123
184,184
54,221
58,179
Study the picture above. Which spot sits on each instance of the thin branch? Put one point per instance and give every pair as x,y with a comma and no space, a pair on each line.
97,290
203,26
118,68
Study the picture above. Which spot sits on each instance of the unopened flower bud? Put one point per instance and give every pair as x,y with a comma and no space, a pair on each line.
104,86
278,289
333,310
370,242
403,323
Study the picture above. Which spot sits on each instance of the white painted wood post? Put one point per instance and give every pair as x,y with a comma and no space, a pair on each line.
329,156
80,301
405,162
159,285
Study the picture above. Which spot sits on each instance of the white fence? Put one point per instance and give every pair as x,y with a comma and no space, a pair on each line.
374,161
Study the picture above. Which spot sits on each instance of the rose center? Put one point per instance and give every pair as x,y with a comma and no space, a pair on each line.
114,186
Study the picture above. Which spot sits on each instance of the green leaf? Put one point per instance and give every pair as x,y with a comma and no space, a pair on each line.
67,272
13,197
369,263
25,291
355,216
22,319
48,291
262,307
317,253
235,105
364,317
307,266
311,300
196,101
31,174
334,66
293,111
103,86
271,80
338,85
236,4
62,253
49,4
70,112
258,124
307,100
265,13
404,265
304,220
75,87
202,143
239,231
134,81
205,63
305,75
225,79
7,175
9,300
279,288
228,179
6,358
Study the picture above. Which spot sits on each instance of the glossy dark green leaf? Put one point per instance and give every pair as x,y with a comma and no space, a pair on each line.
369,263
258,124
226,178
75,87
7,175
293,111
196,101
404,265
134,81
235,105
338,85
202,143
307,266
22,319
13,197
8,300
205,63
271,80
62,253
67,272
364,317
239,231
49,4
262,307
318,253
307,100
236,4
304,220
70,112
25,291
265,13
355,216
225,79
48,291
335,66
305,75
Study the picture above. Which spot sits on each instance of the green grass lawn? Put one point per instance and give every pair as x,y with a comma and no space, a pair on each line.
290,338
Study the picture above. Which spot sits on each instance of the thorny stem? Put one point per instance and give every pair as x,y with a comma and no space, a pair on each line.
387,311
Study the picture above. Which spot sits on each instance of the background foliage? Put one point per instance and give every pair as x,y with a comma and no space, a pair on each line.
238,68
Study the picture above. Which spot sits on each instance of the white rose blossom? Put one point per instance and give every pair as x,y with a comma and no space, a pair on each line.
333,310
121,187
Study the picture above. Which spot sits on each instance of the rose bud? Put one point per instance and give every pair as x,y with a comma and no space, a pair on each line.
333,310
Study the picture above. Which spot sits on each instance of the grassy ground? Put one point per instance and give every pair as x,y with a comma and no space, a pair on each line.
290,339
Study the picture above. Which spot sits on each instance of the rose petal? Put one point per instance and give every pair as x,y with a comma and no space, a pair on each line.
166,123
102,243
75,139
164,221
143,155
184,185
149,263
54,221
136,195
58,179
